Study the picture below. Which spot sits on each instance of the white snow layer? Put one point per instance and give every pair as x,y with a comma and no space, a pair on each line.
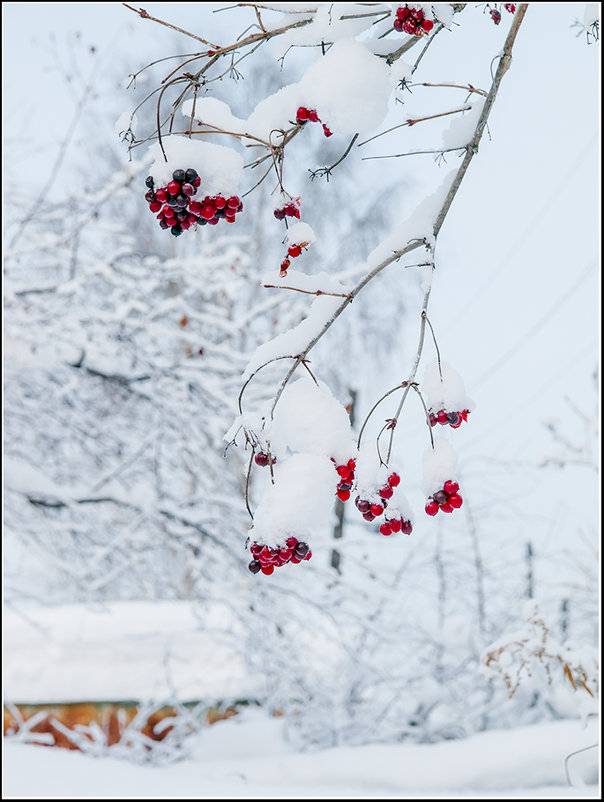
446,393
440,464
248,757
219,167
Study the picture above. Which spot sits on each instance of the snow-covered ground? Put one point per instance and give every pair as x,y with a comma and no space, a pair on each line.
248,757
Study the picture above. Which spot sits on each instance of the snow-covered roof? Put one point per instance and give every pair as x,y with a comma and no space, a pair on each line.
122,651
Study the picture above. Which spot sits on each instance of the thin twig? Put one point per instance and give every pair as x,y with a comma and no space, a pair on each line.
307,292
413,122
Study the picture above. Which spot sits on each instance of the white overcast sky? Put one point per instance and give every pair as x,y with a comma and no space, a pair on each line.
516,298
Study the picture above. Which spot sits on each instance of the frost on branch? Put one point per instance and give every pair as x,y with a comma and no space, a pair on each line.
532,651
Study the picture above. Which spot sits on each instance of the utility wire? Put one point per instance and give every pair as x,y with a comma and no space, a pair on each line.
528,230
538,325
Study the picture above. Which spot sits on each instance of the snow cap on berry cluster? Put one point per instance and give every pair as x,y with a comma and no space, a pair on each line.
349,87
299,503
440,465
309,419
300,233
219,167
447,392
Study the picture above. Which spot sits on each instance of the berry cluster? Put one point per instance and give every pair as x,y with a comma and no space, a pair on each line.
293,251
304,115
263,459
177,209
393,525
372,508
266,559
289,208
346,474
495,16
511,7
447,499
412,21
454,419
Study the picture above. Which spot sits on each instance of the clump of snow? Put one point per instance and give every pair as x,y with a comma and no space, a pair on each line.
443,13
299,233
461,128
209,111
309,419
295,340
447,392
349,87
440,465
300,501
219,167
275,112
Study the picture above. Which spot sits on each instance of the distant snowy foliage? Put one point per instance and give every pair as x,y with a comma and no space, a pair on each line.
136,361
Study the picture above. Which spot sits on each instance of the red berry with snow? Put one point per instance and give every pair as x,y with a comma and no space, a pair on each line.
412,21
446,500
266,558
263,459
511,7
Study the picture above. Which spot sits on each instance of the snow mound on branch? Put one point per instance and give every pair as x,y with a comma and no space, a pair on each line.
440,464
210,111
349,88
309,419
448,393
293,341
461,129
219,167
299,502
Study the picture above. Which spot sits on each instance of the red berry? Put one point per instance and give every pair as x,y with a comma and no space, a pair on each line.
313,116
455,500
427,25
362,504
398,25
406,527
267,569
233,202
326,130
343,495
343,471
496,16
446,508
302,114
395,524
385,529
155,206
173,187
188,190
376,510
368,516
441,417
295,559
450,486
262,459
308,555
294,250
351,464
255,549
207,212
432,507
385,492
394,480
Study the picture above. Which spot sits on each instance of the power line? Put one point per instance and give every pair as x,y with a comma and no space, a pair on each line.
529,229
538,325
